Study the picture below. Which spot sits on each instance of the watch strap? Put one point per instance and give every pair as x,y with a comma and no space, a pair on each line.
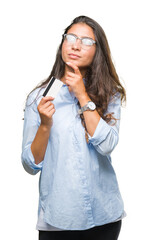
82,109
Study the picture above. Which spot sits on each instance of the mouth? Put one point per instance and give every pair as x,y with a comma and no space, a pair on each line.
73,56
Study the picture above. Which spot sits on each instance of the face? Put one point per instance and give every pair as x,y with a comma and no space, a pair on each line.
75,53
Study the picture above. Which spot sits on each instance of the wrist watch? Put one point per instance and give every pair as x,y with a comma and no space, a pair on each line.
89,106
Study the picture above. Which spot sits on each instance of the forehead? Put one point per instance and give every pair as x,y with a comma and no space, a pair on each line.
82,30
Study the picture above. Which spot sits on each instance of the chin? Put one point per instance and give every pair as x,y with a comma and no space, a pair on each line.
76,62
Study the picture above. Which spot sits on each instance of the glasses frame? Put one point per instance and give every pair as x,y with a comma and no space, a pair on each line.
76,37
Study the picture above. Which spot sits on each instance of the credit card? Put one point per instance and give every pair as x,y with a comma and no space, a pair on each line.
53,87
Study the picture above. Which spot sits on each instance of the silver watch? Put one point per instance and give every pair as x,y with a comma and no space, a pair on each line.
89,106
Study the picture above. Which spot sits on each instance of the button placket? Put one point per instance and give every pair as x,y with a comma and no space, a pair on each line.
83,179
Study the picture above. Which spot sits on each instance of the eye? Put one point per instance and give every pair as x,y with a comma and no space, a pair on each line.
87,41
70,38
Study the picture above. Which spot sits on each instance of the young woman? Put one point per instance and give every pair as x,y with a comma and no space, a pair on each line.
69,139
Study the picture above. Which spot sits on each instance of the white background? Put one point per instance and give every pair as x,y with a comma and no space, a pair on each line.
30,32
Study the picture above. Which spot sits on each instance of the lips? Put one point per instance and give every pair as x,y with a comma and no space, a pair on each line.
73,56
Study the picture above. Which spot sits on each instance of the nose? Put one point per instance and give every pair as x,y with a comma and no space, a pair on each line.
77,45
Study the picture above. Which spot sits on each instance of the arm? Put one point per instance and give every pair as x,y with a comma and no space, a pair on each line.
39,144
75,82
104,136
31,136
92,118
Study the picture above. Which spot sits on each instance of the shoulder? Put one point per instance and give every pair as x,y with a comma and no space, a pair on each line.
114,103
35,96
116,97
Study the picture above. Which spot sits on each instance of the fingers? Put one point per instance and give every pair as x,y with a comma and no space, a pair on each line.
70,74
47,104
74,67
50,112
45,99
46,107
50,108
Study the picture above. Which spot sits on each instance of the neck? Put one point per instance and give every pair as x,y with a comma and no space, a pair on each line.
83,72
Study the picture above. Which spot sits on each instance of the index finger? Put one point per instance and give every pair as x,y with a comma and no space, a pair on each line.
75,68
47,98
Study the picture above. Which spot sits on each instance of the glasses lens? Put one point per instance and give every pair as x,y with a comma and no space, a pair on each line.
87,42
70,38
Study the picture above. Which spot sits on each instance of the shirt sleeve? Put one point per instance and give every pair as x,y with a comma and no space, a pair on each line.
106,135
31,124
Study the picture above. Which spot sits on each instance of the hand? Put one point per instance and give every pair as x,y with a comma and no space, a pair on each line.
46,110
75,80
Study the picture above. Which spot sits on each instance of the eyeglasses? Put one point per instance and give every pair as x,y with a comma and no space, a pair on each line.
86,42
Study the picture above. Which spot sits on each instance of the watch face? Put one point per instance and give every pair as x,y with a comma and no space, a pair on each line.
91,106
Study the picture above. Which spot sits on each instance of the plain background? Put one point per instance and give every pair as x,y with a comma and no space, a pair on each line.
30,34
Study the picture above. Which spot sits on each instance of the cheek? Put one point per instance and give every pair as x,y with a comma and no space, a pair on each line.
90,56
64,52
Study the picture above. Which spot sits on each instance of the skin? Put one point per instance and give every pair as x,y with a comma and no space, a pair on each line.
46,110
85,56
76,61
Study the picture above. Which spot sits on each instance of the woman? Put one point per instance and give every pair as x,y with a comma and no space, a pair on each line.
70,138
